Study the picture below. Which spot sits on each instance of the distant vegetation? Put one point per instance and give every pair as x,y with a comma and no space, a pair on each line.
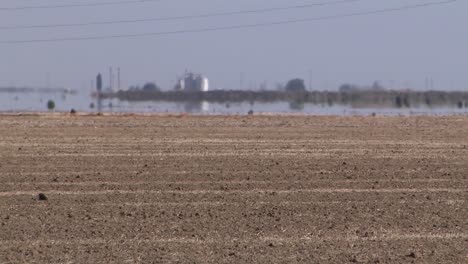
50,105
149,87
297,95
295,85
396,99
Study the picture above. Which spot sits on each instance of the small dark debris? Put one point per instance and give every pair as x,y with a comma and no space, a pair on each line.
271,245
42,197
72,111
251,112
411,255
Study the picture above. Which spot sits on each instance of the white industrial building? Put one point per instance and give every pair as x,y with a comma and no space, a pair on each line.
193,83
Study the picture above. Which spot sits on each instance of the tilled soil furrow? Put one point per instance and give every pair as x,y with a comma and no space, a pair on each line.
271,251
217,189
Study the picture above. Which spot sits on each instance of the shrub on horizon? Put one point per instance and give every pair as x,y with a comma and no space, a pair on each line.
51,105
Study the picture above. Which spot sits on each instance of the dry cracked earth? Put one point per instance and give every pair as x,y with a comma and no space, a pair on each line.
238,189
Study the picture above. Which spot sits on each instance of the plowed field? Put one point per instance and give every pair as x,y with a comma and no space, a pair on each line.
215,189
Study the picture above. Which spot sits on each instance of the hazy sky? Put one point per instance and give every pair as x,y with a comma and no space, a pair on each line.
399,49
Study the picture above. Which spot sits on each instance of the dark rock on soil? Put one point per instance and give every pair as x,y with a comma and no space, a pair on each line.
42,197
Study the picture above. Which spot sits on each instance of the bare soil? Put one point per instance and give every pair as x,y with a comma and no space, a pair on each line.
238,189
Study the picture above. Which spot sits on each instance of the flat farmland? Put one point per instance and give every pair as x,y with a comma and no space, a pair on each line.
233,189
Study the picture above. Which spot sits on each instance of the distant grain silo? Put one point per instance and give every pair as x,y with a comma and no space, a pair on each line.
205,84
191,82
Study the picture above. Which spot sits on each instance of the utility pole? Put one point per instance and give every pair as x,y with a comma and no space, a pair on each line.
310,80
118,78
111,79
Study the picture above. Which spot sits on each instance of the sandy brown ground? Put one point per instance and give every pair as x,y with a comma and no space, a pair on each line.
266,189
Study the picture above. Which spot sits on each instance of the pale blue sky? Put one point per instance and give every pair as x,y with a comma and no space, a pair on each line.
398,49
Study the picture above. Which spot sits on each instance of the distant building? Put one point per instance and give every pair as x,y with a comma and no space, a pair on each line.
192,83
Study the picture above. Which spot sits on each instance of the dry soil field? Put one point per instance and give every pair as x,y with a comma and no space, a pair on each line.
263,189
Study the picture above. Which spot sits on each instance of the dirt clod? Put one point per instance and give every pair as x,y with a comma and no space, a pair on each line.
42,197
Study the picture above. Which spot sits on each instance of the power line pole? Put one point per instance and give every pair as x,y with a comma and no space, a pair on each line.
118,78
310,80
111,79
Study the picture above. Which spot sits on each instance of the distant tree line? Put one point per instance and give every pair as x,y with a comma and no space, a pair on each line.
296,94
147,87
355,98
